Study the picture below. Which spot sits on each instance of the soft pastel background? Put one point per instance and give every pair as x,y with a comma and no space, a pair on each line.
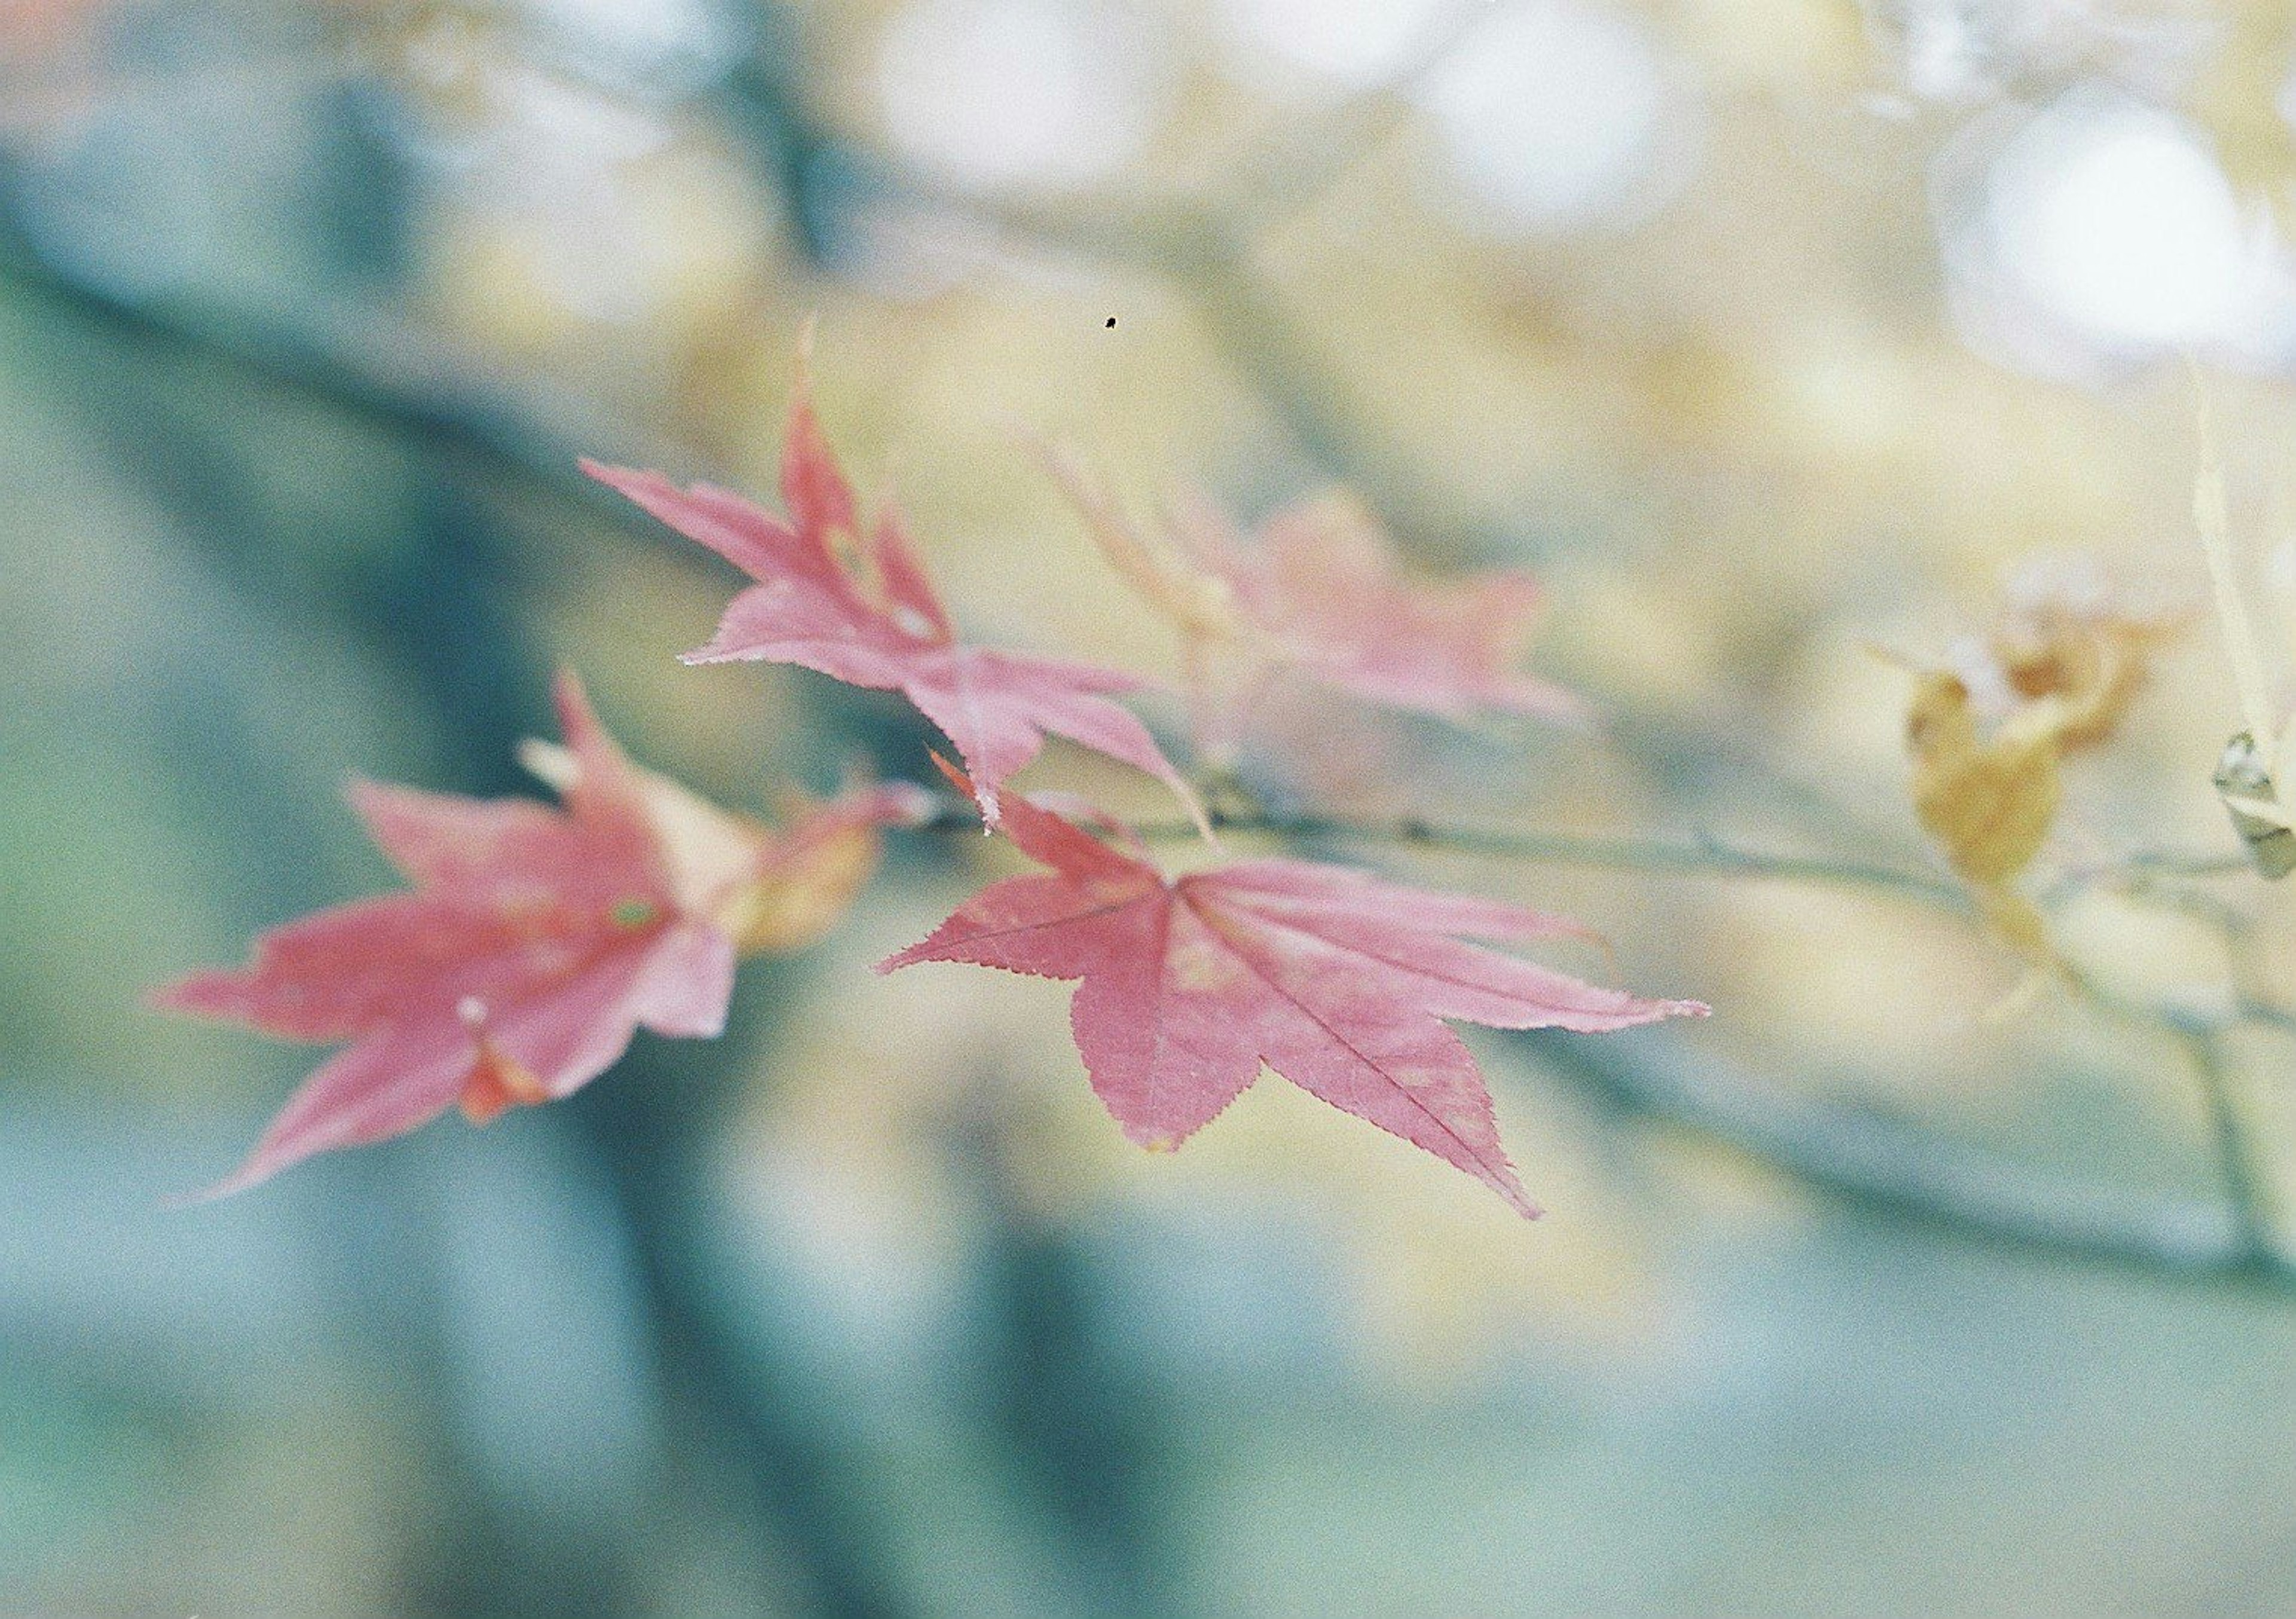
1772,331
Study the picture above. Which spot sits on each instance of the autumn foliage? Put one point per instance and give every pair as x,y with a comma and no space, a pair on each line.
536,941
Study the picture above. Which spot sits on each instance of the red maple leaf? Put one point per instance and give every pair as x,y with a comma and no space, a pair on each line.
534,943
1335,979
857,606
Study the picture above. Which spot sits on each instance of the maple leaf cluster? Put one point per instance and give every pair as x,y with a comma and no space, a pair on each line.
535,940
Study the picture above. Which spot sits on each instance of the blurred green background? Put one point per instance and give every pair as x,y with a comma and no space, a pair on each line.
1769,331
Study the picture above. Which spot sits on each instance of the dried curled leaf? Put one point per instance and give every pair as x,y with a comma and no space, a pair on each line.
1989,800
772,890
2052,676
826,851
2065,638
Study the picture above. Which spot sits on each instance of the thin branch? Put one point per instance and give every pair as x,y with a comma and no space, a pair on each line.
1857,1156
1593,852
2165,863
1705,857
2264,1014
2228,1124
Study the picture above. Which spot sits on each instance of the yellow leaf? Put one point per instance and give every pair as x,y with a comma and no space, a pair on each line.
1989,801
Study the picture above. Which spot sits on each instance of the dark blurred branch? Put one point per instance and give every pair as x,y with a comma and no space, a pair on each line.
388,376
1873,1163
2229,1136
650,1125
1056,1376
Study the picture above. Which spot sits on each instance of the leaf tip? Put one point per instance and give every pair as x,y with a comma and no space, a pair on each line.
625,481
210,993
576,719
1158,1139
168,997
249,1175
899,959
992,812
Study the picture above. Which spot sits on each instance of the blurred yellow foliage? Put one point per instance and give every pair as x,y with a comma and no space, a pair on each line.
1989,800
2052,676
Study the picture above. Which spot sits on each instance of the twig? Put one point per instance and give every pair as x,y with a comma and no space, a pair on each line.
1594,852
2164,862
2243,1191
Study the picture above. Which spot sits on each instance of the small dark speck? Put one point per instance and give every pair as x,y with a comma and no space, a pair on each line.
1112,323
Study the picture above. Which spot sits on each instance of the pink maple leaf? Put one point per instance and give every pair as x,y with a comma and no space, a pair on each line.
1320,591
534,943
1335,979
1324,583
858,607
